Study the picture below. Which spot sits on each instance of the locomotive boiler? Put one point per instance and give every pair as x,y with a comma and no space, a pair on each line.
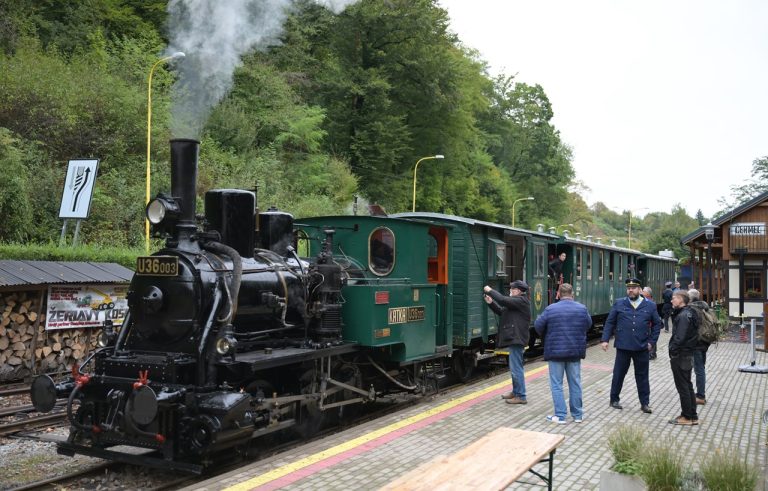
229,336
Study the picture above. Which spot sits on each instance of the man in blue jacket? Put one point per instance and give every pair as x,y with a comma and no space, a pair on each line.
628,321
563,326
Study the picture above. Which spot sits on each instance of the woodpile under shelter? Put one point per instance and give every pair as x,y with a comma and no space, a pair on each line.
729,259
51,312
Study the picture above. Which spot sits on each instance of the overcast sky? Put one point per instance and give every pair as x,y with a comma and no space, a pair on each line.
663,102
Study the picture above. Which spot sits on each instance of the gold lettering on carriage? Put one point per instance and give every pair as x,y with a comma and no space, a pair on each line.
401,315
748,229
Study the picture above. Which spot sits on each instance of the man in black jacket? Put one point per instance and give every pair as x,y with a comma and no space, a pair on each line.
666,307
682,344
515,312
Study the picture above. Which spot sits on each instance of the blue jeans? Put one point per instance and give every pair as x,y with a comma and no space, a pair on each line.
516,370
572,370
699,360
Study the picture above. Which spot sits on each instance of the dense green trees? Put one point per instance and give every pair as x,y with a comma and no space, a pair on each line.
345,105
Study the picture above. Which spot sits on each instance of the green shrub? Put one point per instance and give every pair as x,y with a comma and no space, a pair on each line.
626,444
728,471
661,467
89,253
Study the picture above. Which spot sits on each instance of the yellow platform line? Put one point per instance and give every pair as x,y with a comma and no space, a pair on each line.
368,437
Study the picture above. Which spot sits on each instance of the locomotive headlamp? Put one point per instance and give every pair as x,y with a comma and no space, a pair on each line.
162,208
107,336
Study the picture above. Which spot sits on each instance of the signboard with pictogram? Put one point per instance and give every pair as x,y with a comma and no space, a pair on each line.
78,189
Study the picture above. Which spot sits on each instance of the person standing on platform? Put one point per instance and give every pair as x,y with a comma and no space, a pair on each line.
648,295
629,321
700,353
682,344
666,308
563,326
514,331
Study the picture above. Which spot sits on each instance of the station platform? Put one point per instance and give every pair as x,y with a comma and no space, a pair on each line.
372,455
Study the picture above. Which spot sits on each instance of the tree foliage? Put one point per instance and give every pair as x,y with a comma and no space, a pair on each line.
345,105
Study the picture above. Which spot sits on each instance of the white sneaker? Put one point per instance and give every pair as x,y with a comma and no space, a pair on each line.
577,420
555,419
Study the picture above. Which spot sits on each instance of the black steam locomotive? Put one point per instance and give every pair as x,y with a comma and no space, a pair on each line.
229,336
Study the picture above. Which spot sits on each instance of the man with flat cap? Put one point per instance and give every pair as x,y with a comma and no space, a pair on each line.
515,312
629,322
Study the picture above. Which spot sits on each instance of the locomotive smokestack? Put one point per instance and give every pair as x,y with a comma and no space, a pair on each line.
184,155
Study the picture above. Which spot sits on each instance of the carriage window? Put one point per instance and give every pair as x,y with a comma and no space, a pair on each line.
381,251
302,243
589,264
578,263
621,267
611,265
496,258
540,260
601,267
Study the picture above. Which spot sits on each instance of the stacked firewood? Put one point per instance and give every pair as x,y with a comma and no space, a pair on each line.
26,345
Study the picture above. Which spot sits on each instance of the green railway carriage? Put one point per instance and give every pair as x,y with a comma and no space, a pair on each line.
413,289
654,271
484,253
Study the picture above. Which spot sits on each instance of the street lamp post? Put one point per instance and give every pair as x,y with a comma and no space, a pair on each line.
529,198
413,209
709,233
174,56
629,229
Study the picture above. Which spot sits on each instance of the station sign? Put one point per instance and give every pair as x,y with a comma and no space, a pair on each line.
747,229
78,189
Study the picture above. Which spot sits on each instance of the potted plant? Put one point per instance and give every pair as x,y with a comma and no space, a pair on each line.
626,444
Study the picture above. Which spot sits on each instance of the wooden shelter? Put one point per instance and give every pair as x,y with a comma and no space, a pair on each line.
736,274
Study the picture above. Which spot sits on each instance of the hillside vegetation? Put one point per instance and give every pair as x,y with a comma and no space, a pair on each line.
331,106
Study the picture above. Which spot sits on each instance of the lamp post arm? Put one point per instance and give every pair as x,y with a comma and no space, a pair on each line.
415,168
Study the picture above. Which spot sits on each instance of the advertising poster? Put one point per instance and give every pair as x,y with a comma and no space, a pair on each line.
80,306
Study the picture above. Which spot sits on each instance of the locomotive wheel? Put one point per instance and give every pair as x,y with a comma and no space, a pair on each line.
464,365
310,418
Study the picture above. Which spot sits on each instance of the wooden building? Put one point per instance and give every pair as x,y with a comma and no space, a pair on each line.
736,275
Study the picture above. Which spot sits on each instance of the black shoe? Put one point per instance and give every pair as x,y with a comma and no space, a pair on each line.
616,405
652,357
646,409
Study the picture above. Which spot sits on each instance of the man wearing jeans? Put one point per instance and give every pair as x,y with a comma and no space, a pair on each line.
515,312
563,326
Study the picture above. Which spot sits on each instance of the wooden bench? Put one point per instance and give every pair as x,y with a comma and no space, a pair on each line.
491,463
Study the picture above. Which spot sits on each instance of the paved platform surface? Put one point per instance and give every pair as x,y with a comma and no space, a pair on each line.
369,456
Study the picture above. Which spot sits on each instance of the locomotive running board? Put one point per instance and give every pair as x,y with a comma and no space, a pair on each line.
70,449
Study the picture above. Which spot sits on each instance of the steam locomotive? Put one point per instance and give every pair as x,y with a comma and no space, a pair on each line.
251,324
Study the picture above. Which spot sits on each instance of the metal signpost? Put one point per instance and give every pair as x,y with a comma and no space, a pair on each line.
78,191
752,367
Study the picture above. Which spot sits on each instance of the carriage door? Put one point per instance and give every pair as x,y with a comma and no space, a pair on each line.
578,266
539,276
437,274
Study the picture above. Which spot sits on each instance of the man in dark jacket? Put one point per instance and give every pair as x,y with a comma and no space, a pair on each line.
563,326
666,307
700,354
636,324
682,344
515,312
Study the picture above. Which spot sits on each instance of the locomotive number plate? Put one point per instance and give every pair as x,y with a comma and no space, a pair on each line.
401,315
157,266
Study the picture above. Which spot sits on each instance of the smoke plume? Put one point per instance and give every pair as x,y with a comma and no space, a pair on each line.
214,34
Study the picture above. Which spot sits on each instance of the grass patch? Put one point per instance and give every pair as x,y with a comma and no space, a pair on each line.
661,467
726,470
89,253
626,444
